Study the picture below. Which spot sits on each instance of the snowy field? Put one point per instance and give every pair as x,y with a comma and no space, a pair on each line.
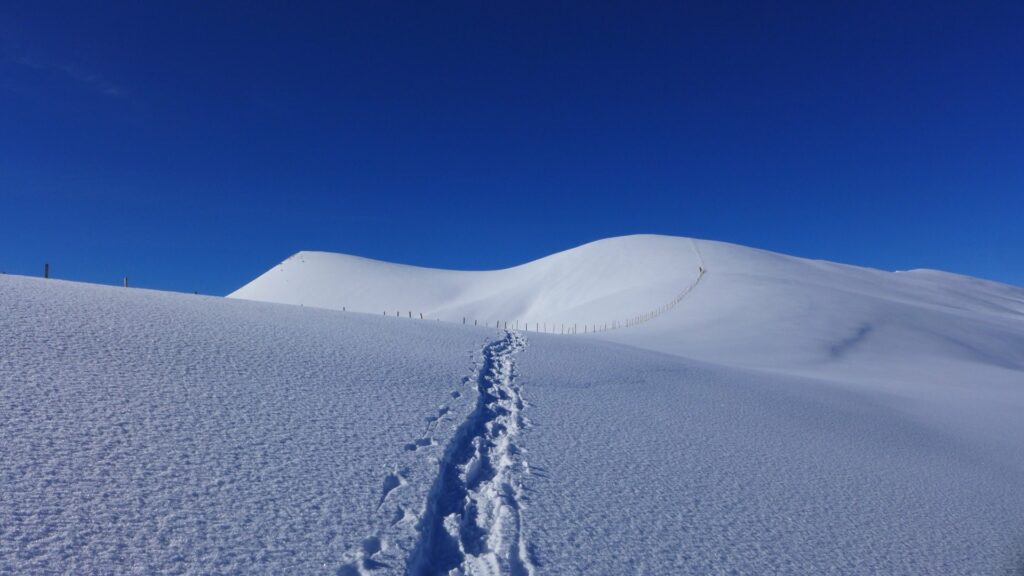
762,414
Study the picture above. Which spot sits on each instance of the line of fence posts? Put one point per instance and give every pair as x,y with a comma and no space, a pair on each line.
543,327
46,275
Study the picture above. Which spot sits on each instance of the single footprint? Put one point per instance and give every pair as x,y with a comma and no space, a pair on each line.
391,481
398,516
371,546
420,443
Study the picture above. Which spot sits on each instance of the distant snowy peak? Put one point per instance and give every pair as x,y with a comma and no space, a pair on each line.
751,308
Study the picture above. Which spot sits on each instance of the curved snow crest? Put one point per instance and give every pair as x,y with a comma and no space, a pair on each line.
472,522
752,308
603,281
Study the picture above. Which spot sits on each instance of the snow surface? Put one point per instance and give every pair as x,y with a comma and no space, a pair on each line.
598,283
146,432
762,414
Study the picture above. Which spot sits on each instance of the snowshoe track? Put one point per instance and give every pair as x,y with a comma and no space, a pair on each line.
472,523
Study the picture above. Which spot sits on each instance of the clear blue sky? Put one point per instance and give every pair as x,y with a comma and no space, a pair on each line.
193,146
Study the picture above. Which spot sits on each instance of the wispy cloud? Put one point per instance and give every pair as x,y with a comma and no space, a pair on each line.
88,78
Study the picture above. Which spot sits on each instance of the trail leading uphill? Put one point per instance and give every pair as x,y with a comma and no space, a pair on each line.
473,519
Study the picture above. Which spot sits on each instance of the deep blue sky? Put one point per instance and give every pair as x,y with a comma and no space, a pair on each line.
194,146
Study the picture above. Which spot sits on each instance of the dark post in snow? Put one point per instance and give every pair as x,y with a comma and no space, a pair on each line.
125,281
46,270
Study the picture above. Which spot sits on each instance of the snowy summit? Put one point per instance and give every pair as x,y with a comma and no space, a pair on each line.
637,405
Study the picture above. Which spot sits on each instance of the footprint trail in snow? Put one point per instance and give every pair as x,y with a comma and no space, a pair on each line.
473,518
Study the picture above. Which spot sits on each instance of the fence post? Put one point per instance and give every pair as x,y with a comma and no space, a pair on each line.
46,270
125,281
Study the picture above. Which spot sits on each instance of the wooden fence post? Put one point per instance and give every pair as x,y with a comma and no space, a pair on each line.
46,270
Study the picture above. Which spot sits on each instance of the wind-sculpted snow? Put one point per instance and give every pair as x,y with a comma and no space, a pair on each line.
643,463
145,432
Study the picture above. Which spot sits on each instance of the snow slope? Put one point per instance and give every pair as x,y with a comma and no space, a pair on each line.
644,463
752,308
784,416
147,432
601,282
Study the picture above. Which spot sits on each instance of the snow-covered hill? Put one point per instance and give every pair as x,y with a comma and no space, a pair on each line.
750,308
596,284
769,415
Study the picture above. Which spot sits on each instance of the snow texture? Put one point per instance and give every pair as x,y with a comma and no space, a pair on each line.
146,432
761,414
